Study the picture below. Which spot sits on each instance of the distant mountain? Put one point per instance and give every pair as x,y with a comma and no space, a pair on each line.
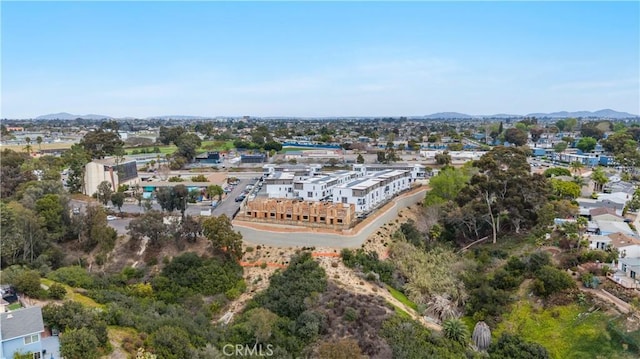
447,115
606,113
502,115
69,116
177,117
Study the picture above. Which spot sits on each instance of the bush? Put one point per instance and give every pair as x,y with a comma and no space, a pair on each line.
57,291
28,282
550,280
73,276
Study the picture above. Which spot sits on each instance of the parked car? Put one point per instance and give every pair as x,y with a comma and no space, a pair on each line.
240,198
111,218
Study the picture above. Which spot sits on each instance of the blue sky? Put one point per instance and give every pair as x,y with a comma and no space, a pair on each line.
318,59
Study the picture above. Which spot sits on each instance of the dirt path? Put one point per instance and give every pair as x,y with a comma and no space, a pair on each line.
347,279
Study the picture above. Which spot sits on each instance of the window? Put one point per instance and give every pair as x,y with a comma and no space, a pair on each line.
309,194
633,274
36,355
31,339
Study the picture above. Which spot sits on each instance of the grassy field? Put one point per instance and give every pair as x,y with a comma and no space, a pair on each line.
568,332
402,298
163,149
72,295
206,146
35,147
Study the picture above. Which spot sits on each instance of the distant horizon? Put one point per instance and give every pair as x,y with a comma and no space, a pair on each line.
318,59
107,116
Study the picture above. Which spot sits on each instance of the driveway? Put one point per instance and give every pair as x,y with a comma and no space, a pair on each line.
229,206
290,239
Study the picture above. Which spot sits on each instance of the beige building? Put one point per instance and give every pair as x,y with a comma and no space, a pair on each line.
303,213
108,169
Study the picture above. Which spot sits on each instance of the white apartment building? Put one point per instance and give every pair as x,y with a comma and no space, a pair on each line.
280,184
365,187
320,187
368,192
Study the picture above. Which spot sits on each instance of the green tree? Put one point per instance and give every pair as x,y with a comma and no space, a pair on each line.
443,158
516,136
599,178
150,225
187,144
565,189
360,158
104,192
576,167
168,135
289,289
76,158
215,190
117,199
39,142
504,192
28,282
221,234
100,143
446,185
166,200
560,147
587,144
550,280
22,237
57,291
50,210
180,194
28,149
171,342
79,344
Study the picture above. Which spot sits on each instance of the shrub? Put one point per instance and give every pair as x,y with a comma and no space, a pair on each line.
73,276
57,291
550,280
350,314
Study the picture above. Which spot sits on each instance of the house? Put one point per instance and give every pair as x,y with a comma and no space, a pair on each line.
628,247
605,214
599,242
627,273
22,331
610,227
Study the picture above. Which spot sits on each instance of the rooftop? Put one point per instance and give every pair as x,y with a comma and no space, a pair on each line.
21,322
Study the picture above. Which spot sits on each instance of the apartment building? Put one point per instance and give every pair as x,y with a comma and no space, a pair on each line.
370,191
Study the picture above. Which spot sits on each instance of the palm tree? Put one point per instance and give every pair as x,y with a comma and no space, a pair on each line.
579,180
481,336
39,141
28,148
576,167
215,190
598,176
454,329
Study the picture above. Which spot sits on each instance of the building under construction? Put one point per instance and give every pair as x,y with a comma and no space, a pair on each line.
301,213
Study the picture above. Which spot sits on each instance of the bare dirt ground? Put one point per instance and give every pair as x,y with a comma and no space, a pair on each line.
257,275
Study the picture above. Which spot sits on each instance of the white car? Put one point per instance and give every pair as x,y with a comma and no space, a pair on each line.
111,218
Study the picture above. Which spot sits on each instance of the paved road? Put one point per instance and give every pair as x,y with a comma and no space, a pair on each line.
229,206
280,239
